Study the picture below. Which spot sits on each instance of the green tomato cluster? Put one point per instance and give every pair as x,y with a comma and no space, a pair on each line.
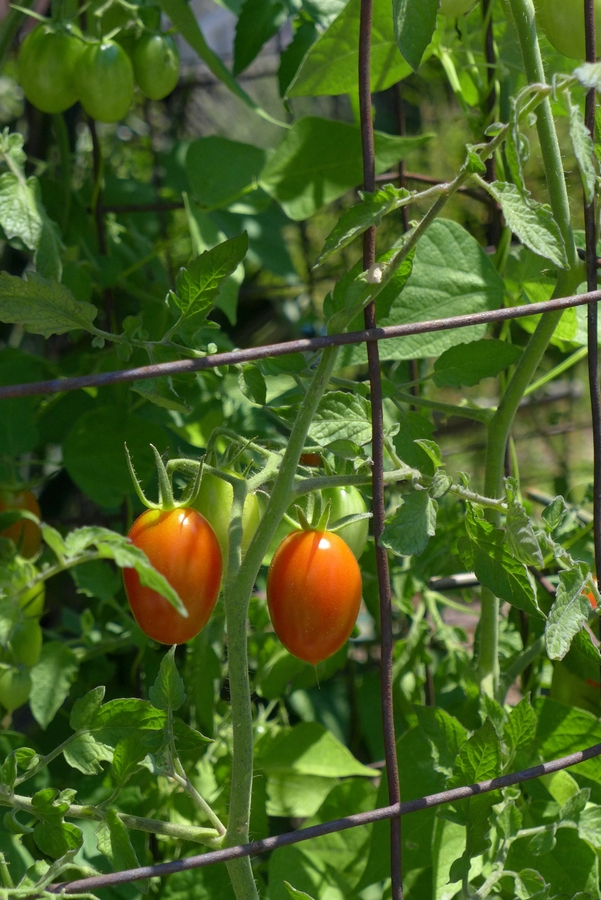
58,67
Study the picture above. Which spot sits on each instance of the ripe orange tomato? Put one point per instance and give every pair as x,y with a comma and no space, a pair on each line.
313,593
26,534
182,546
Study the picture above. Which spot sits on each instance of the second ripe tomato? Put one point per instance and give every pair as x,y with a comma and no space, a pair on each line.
313,593
182,546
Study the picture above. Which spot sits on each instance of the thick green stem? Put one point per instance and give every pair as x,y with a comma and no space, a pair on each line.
500,425
237,596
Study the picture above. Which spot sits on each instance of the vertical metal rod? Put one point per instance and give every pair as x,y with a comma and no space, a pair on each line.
591,277
369,256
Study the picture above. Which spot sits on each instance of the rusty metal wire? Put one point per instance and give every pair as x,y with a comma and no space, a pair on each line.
304,834
377,430
235,357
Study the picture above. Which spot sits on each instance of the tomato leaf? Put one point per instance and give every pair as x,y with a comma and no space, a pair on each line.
485,552
197,286
85,708
414,25
359,218
569,612
51,680
42,307
52,834
531,222
168,690
412,526
113,841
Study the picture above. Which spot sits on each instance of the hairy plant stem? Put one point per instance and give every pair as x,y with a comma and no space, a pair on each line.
500,426
238,589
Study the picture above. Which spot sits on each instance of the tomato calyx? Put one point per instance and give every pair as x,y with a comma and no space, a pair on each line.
166,501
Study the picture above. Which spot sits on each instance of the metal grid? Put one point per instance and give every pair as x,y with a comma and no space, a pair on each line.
371,336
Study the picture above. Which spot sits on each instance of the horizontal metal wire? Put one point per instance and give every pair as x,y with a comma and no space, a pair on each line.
233,357
305,834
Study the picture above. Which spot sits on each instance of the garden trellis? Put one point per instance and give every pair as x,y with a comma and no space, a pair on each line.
372,335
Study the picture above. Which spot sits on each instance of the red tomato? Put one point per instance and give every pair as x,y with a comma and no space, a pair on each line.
310,459
313,593
26,535
182,546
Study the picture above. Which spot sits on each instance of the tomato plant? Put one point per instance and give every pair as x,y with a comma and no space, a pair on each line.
563,23
32,601
348,501
156,64
46,65
25,533
105,78
313,593
214,501
183,547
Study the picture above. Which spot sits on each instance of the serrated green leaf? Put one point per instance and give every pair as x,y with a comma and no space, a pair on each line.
52,834
19,215
113,841
570,611
412,526
554,513
168,690
520,726
51,680
197,286
485,553
41,306
445,734
359,218
532,222
468,364
85,708
86,754
584,151
339,416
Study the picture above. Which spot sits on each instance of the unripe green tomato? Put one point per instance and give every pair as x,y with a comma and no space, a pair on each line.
26,643
563,23
455,8
347,501
15,687
214,501
46,69
32,601
156,65
106,81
